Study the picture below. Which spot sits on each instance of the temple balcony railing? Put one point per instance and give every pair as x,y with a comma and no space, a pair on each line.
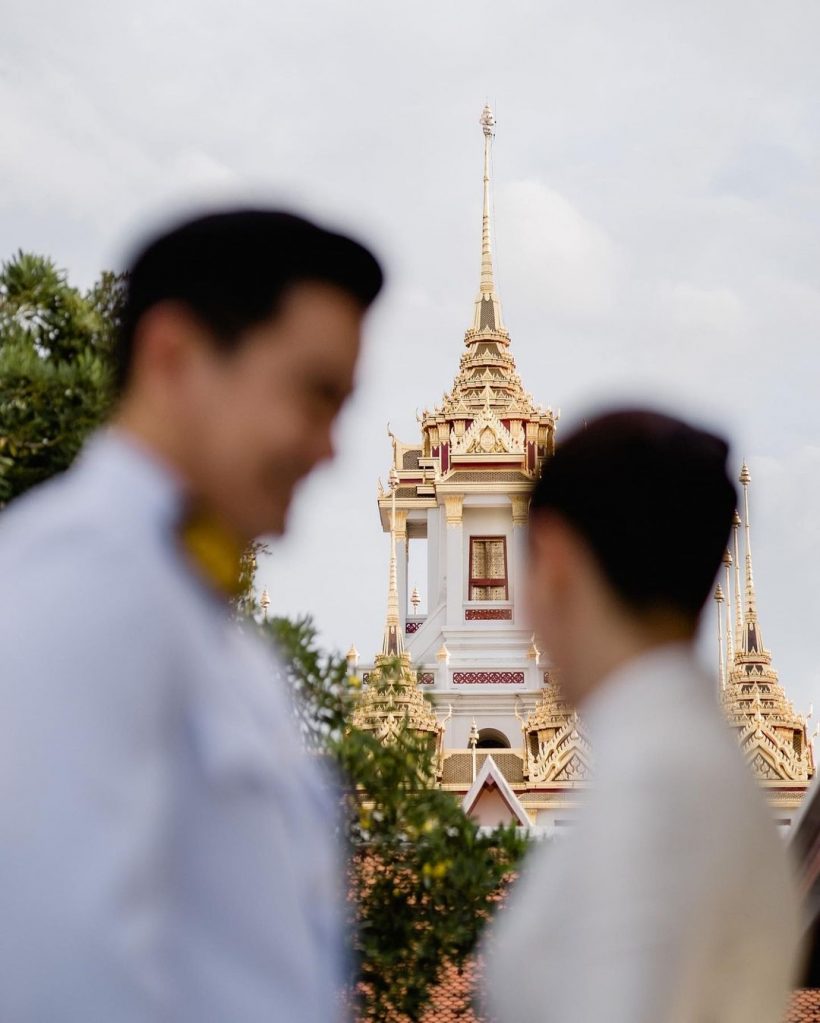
488,611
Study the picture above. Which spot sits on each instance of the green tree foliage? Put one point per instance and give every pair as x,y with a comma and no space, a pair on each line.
55,358
423,877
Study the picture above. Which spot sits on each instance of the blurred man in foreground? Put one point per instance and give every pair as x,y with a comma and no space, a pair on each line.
672,901
167,850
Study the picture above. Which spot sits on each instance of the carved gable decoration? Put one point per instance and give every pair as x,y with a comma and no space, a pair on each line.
566,757
487,435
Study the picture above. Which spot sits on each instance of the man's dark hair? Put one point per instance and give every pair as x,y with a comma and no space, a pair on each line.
651,497
232,268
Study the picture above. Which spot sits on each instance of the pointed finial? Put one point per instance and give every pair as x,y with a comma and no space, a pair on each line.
352,656
745,479
487,316
264,602
443,654
487,121
738,600
393,642
721,646
730,646
415,599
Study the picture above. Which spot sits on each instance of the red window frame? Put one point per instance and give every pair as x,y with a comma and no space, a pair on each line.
485,581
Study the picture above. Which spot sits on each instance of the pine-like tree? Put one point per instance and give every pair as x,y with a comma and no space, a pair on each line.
55,357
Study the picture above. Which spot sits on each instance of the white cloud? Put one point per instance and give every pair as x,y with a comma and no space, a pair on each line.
553,253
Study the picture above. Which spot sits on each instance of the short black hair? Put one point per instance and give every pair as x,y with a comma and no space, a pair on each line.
651,496
231,268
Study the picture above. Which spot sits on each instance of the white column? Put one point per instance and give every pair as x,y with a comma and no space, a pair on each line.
455,561
520,504
401,565
435,587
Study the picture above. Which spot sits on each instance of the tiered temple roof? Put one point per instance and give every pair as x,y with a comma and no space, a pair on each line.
486,429
772,735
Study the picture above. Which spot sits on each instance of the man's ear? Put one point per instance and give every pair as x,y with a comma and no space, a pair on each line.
167,339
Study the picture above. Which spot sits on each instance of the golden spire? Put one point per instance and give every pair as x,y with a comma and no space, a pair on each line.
752,642
737,597
393,645
750,609
730,645
721,647
487,317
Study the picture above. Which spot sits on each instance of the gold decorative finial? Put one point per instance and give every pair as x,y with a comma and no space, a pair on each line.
264,602
487,121
750,609
721,646
730,644
352,656
487,317
393,643
415,599
737,594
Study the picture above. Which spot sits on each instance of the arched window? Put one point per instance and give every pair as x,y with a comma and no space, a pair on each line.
491,738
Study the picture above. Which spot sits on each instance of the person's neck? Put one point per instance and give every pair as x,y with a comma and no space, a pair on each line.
150,430
620,639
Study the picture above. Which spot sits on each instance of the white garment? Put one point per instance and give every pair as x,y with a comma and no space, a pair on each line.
671,900
166,848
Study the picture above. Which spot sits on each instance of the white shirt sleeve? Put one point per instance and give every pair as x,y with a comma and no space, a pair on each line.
86,798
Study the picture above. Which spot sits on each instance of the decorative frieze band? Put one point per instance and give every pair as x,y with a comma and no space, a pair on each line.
488,614
411,627
427,678
473,678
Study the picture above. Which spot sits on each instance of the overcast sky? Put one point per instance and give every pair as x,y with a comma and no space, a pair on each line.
657,220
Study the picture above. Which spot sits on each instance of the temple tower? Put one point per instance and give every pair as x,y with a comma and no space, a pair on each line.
773,737
462,490
504,737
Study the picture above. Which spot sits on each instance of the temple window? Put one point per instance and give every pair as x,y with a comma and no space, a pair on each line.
488,568
491,738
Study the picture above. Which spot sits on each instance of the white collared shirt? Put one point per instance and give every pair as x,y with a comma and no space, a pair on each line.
166,848
672,900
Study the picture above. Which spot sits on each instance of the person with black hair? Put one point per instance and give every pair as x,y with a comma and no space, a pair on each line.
672,900
168,849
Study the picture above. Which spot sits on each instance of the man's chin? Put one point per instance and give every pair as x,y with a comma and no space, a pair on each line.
276,524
